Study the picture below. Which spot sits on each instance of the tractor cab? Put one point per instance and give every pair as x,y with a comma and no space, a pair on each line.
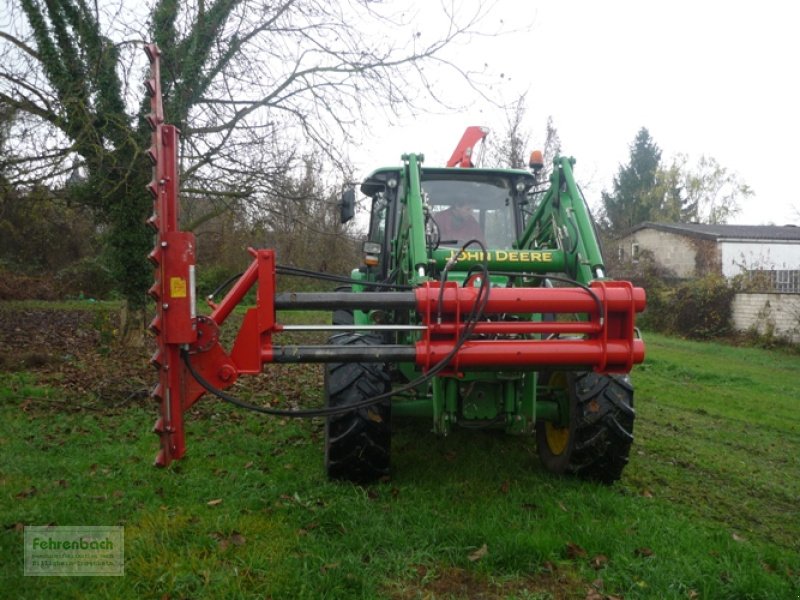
460,205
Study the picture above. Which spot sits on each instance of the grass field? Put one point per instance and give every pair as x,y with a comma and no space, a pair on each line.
708,508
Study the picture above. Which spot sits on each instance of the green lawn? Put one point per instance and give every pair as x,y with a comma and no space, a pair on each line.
708,508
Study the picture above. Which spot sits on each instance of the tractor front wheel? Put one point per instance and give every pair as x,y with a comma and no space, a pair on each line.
357,443
595,444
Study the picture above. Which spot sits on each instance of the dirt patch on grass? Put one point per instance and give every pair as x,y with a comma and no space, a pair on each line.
458,583
75,352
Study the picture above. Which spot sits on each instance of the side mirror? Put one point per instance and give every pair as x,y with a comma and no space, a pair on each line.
348,205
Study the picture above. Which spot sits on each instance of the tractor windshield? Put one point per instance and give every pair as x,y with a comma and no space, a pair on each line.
466,208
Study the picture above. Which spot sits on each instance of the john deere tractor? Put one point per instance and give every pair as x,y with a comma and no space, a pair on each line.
482,302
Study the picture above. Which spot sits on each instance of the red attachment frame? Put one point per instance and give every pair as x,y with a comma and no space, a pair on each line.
610,344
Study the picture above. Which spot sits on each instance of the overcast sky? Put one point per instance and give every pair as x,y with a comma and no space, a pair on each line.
714,78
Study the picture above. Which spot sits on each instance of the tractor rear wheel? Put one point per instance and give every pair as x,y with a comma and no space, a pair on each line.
595,444
357,443
343,316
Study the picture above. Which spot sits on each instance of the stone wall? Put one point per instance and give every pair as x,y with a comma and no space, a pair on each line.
776,314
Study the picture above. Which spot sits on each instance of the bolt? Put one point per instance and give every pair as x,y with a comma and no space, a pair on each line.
165,306
226,372
163,244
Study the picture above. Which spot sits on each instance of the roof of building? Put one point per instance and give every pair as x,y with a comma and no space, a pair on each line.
726,232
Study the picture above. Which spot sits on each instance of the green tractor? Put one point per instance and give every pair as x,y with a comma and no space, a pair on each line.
508,271
482,303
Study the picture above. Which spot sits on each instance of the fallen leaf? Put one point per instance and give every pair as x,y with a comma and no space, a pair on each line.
599,561
562,507
574,551
450,456
237,539
647,493
478,554
325,568
27,493
506,485
248,465
529,506
374,417
395,492
737,538
593,594
692,594
643,552
214,502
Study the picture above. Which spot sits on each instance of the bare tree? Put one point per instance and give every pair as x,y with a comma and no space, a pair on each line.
252,84
552,147
512,149
712,192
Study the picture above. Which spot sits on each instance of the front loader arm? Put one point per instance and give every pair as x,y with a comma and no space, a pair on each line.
562,220
412,250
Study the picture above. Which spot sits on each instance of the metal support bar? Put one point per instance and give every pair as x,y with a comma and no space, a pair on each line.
345,300
334,353
412,408
280,328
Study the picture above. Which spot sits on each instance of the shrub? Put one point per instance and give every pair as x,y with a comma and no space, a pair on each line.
88,277
699,309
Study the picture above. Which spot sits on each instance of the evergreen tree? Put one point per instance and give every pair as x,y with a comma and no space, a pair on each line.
633,200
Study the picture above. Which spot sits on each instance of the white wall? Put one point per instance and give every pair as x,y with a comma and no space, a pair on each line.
779,313
739,255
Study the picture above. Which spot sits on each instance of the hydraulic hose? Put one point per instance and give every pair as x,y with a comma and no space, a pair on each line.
471,321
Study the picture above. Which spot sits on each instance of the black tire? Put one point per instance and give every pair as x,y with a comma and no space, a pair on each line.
596,443
343,316
357,443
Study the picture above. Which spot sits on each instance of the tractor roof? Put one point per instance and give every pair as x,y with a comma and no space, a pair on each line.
378,178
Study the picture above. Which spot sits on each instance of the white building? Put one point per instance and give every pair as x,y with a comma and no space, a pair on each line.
693,249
